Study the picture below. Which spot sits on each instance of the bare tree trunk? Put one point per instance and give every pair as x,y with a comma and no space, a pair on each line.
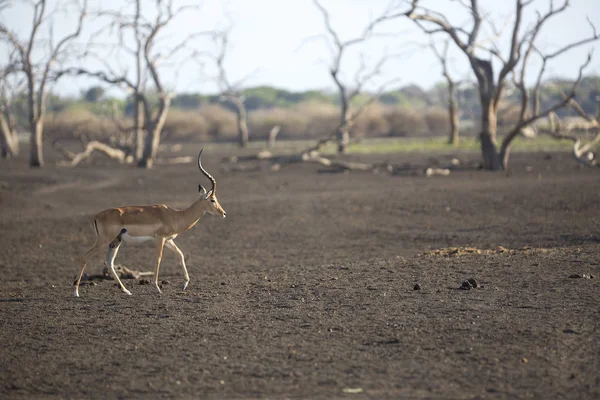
36,155
9,142
504,155
489,113
242,131
343,130
138,120
452,107
343,138
453,115
242,118
491,160
153,135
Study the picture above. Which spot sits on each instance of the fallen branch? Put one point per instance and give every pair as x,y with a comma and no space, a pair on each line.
76,158
273,136
122,271
581,152
174,160
309,155
437,171
122,156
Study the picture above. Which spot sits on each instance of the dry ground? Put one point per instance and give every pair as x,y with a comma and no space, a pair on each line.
306,289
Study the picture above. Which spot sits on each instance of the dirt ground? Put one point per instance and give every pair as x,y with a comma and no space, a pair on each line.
307,289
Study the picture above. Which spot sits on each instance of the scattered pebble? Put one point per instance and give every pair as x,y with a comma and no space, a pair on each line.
144,282
474,282
581,276
353,390
165,282
524,360
417,286
469,284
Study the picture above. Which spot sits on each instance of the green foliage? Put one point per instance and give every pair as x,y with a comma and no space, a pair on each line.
268,97
94,94
189,101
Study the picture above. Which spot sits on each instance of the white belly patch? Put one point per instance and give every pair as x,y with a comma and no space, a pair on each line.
135,239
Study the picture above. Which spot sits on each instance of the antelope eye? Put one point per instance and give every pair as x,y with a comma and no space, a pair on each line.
212,200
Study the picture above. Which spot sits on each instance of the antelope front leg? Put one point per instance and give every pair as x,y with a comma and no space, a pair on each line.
172,246
113,249
160,244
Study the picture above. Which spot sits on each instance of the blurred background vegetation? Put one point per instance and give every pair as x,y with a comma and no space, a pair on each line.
409,111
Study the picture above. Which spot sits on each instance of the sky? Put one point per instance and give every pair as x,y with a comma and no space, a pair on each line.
283,43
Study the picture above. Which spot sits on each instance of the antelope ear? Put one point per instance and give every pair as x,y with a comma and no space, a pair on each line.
201,190
206,195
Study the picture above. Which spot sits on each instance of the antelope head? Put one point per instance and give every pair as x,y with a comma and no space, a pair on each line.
214,207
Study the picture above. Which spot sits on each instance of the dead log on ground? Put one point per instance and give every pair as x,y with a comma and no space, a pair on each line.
75,159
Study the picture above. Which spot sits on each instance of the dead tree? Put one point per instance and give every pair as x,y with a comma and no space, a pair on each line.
230,92
149,55
9,141
582,153
363,76
529,112
37,73
453,136
348,114
491,85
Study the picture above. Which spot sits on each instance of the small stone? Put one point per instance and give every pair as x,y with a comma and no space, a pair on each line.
465,286
524,360
144,282
581,276
165,282
353,390
474,283
417,286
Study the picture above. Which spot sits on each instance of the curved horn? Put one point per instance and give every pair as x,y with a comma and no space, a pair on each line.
209,176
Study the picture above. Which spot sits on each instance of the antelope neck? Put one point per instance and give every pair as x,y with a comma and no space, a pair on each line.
190,216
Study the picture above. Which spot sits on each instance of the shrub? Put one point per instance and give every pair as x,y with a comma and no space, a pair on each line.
372,122
185,125
260,122
220,122
304,121
79,122
508,114
406,122
322,119
438,122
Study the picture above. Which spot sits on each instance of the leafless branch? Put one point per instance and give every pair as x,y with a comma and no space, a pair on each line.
526,120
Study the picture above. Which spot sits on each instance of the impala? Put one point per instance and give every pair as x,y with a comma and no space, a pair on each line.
158,223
